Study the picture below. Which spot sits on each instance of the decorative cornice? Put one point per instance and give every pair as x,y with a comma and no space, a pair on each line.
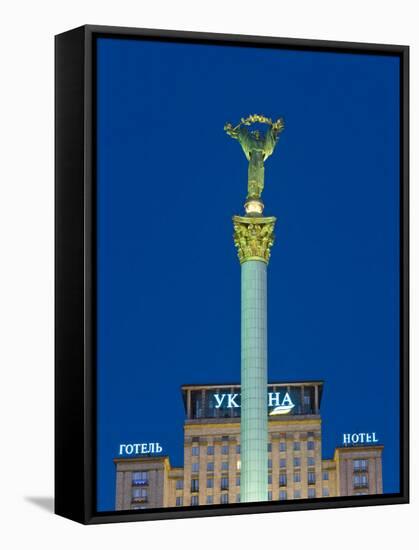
253,237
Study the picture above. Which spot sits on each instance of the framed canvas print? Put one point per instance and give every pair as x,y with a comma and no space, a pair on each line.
231,274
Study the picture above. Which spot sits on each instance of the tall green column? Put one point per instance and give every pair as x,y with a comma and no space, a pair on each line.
253,237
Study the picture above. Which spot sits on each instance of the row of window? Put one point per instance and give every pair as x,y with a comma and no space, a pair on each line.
210,500
311,461
195,449
224,497
311,477
283,435
141,478
224,481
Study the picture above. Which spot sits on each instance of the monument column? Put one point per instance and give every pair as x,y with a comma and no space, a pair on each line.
253,238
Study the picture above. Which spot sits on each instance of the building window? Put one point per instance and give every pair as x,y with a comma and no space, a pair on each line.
297,477
179,501
310,445
194,500
195,467
269,479
297,446
210,499
238,449
360,481
210,482
325,492
224,450
297,493
179,484
297,462
224,498
224,437
237,481
139,494
195,439
311,461
360,465
282,462
325,475
269,495
194,485
224,465
282,480
282,495
311,478
224,482
282,446
210,450
140,478
311,492
210,466
269,447
269,463
195,451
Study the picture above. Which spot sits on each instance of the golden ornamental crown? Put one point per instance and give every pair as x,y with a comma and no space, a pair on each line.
251,119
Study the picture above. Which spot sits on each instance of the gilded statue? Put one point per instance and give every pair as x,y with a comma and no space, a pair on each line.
257,147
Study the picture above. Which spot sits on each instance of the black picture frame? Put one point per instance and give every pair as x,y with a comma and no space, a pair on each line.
75,273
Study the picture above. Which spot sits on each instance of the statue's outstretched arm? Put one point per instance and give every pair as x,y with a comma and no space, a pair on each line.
272,136
240,133
278,126
243,137
270,142
232,131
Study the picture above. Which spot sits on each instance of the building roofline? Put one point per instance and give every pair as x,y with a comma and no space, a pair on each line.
145,458
225,421
355,446
270,383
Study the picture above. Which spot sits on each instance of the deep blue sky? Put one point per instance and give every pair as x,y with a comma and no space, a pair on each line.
169,181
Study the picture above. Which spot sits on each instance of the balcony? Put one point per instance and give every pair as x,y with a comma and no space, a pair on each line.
361,485
139,482
360,469
139,500
311,480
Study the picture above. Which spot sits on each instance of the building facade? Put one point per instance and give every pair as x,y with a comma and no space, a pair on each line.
211,473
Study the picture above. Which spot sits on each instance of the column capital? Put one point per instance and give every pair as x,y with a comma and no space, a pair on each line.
253,237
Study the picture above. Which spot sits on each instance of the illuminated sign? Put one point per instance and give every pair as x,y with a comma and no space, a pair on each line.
282,403
357,438
225,402
283,406
231,400
139,448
